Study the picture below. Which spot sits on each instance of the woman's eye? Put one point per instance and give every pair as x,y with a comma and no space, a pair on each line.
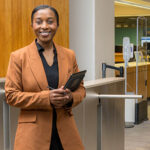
49,21
38,22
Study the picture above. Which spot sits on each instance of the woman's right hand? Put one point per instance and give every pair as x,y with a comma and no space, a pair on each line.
59,97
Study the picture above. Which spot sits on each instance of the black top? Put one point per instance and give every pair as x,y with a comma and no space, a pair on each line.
52,78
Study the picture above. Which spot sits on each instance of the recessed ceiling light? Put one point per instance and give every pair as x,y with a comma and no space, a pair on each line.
125,25
132,18
118,25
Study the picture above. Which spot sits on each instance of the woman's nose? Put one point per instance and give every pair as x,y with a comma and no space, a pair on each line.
44,25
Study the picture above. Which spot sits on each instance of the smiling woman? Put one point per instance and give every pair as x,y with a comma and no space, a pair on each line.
45,121
45,21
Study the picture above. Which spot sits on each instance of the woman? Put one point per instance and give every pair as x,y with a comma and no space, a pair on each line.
46,121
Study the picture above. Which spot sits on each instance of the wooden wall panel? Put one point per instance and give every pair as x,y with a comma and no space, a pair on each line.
16,31
64,18
5,38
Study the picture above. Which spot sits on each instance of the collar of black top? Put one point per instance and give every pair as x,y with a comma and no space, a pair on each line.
41,49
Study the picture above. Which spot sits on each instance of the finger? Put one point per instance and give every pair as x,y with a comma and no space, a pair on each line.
58,91
61,98
67,91
62,87
60,101
57,95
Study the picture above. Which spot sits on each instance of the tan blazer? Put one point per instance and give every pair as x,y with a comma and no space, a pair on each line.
26,88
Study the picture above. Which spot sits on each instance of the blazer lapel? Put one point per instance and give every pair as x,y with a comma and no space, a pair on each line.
37,66
62,66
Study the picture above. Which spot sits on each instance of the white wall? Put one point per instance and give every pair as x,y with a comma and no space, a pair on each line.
104,36
92,34
82,34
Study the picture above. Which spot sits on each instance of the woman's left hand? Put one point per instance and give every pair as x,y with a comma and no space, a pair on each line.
69,97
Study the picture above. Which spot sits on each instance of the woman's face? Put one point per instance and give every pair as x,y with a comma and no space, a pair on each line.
44,25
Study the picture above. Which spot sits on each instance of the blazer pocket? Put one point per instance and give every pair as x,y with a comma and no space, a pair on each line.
27,117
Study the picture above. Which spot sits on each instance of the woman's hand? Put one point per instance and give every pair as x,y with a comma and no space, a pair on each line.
60,97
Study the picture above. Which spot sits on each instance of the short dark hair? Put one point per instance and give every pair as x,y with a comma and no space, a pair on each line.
44,7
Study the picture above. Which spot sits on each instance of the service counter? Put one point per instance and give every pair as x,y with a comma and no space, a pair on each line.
141,112
143,78
100,121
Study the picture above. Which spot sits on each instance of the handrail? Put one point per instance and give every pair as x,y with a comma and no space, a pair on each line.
116,96
120,96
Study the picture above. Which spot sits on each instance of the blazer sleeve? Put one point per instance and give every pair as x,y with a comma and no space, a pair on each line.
15,96
80,93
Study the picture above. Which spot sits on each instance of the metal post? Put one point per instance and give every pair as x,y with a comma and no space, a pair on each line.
137,43
6,123
103,70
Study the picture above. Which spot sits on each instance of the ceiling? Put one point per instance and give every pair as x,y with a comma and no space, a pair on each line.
127,11
125,8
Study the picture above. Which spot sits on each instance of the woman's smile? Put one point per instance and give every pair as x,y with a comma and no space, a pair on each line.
45,33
